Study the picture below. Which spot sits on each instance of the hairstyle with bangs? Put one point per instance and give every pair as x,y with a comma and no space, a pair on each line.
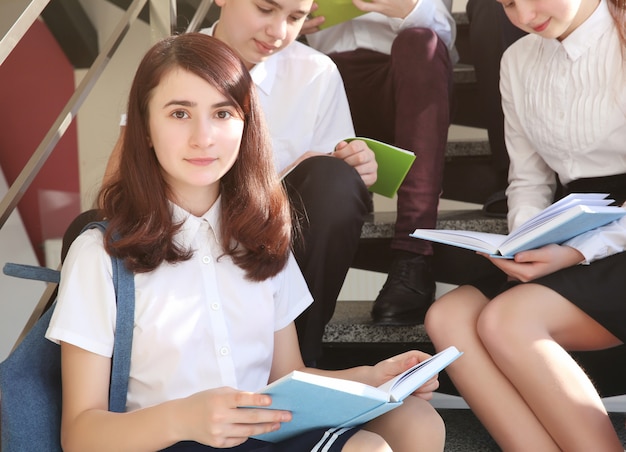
255,216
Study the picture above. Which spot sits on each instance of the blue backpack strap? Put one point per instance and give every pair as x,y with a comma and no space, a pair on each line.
124,282
26,271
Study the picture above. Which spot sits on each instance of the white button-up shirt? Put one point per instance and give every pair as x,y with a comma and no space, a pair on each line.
565,113
304,102
374,31
199,324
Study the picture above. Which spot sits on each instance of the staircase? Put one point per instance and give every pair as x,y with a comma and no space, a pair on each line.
350,337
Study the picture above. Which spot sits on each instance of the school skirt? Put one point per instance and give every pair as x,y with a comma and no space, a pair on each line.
318,440
599,289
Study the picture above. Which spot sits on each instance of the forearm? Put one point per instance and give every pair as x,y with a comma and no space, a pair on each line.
148,429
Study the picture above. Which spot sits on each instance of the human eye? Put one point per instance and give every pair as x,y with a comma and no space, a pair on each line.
180,114
224,114
264,9
296,19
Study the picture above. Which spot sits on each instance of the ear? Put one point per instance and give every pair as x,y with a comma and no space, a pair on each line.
220,3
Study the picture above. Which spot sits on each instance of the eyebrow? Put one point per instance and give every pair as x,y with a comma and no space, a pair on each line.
279,6
187,103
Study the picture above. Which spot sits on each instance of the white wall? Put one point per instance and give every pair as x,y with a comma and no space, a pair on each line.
98,118
18,296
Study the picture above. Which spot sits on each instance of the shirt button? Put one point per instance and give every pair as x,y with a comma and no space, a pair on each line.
215,306
224,351
206,259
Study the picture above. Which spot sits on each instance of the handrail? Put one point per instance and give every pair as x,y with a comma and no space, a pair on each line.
20,27
201,12
58,129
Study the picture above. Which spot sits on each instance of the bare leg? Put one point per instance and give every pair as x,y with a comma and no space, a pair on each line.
413,426
452,320
366,441
526,331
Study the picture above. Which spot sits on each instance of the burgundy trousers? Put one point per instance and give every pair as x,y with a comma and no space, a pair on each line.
404,99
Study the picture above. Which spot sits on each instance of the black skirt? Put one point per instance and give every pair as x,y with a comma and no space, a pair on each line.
599,289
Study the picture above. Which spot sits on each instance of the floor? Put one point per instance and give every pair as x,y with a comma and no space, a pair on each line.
464,433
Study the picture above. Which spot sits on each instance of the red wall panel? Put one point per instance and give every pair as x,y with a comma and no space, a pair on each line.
36,82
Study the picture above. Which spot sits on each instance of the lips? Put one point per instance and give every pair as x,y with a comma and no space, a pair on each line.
266,48
541,27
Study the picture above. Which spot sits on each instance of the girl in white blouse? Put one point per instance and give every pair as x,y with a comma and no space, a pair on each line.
564,98
205,225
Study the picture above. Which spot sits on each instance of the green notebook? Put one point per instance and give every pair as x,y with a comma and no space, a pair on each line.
336,11
393,165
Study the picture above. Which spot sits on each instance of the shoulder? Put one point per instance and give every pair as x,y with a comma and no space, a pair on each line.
301,57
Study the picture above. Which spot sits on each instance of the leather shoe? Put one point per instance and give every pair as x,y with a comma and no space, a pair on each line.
407,293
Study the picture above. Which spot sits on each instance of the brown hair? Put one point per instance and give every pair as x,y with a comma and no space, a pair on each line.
255,213
618,11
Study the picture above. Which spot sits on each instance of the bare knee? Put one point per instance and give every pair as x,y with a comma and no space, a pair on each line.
364,440
454,313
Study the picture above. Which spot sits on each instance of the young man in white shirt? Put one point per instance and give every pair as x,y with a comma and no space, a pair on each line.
396,63
305,106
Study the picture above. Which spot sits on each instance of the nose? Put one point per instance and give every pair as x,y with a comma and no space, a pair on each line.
277,28
201,134
525,12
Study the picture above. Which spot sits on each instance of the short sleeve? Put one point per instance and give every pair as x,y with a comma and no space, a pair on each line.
292,294
85,312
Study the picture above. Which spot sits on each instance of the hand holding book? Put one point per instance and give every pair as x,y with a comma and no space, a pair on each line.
320,401
567,218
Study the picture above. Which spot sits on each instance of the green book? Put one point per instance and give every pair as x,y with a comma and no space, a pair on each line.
336,11
393,165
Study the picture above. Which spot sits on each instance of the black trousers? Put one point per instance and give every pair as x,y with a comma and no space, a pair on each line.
330,201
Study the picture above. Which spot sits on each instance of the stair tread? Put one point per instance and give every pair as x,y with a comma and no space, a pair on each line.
381,224
351,323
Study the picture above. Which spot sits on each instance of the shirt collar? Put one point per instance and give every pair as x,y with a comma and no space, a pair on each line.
191,224
588,33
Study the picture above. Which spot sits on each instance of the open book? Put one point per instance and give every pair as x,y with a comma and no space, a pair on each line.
565,219
393,165
318,401
336,11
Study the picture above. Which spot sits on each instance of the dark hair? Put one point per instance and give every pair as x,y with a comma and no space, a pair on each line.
255,213
618,11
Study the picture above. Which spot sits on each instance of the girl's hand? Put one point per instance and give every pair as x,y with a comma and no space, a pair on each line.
360,157
216,417
389,368
533,264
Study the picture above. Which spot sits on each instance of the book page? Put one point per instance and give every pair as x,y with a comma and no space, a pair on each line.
407,382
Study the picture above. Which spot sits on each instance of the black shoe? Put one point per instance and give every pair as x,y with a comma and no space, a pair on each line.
408,292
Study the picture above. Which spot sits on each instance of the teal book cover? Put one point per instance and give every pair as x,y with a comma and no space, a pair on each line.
561,221
317,401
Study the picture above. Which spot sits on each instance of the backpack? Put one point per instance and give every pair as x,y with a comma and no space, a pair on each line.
30,377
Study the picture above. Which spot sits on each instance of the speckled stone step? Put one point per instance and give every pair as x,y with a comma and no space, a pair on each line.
352,323
381,224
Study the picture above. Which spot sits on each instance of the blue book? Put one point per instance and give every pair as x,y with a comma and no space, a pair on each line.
569,217
319,401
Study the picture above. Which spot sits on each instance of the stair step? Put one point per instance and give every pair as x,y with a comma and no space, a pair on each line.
351,323
380,225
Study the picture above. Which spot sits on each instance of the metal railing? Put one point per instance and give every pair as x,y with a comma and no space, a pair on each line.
162,23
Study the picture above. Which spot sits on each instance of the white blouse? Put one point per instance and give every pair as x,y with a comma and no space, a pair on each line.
199,324
565,113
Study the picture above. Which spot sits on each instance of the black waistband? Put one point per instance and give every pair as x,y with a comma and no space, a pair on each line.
614,185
